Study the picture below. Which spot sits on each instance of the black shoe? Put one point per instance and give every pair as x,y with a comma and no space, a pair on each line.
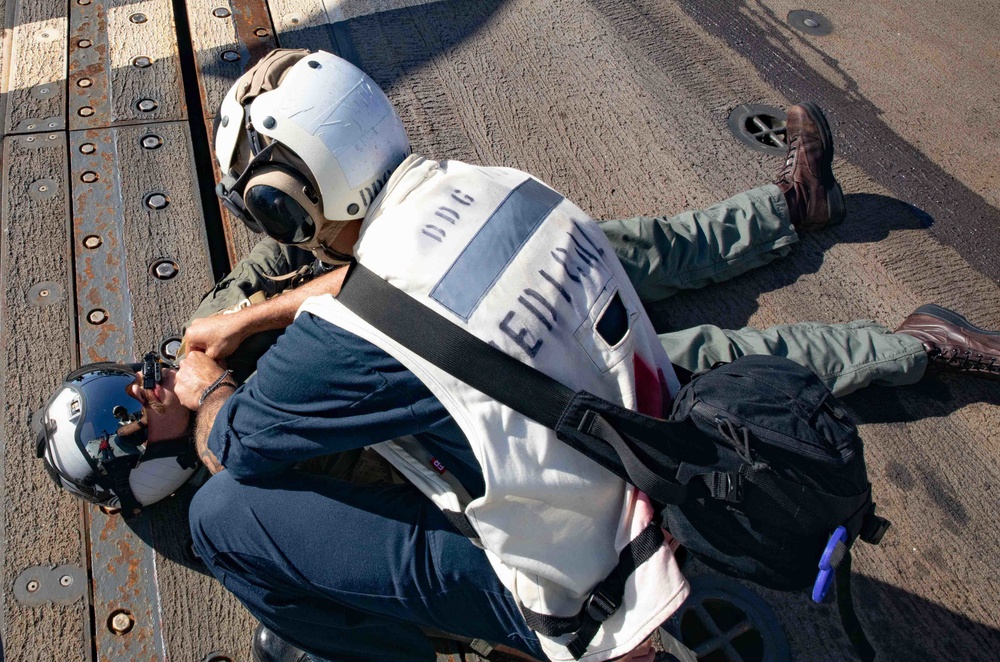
269,647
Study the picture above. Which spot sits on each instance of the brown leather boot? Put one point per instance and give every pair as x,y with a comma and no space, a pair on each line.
815,199
953,343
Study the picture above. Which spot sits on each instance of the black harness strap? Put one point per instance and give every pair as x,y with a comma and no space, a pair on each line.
579,418
604,600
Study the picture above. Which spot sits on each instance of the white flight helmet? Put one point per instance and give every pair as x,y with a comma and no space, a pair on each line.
305,143
80,435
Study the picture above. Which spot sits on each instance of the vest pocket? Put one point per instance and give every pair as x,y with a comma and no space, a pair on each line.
606,334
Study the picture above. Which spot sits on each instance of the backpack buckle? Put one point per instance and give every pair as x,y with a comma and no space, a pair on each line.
600,607
874,527
726,486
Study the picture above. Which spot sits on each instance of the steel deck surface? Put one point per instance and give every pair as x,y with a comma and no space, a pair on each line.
622,107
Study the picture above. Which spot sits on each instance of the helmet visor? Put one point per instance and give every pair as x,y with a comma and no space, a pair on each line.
279,214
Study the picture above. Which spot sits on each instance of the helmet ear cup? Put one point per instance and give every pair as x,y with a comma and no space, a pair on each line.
283,204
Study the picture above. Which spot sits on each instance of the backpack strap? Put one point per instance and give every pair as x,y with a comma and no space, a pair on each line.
848,617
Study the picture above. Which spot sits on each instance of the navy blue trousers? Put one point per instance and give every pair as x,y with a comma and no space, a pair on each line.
350,572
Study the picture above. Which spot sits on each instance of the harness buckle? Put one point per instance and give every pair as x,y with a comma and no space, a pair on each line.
600,607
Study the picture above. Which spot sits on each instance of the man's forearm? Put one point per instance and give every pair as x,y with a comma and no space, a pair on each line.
203,428
278,312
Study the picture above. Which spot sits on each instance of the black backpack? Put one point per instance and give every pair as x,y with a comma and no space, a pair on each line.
758,471
785,470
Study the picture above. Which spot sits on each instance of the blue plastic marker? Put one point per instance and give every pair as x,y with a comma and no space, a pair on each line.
832,556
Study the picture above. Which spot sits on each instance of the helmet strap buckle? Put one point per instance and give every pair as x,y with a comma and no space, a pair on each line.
152,371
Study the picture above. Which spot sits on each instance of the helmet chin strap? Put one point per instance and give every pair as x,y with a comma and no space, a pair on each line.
330,256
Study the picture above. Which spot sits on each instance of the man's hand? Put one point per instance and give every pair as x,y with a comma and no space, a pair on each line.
196,373
217,336
644,652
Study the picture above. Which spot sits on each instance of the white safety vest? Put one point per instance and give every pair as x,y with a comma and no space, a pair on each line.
516,264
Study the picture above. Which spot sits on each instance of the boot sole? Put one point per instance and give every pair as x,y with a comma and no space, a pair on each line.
940,312
836,208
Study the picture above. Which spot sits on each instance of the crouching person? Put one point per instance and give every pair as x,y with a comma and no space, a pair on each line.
503,532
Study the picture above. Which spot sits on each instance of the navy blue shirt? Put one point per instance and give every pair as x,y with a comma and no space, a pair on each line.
321,390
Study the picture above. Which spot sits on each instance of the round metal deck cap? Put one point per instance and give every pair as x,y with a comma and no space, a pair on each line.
725,621
44,294
760,127
809,22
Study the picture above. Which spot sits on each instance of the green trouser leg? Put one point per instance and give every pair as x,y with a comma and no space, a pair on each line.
664,255
845,356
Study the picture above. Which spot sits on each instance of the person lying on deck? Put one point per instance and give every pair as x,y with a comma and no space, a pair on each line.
277,372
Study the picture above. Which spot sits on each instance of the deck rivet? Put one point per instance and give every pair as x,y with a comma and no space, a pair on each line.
30,127
86,111
30,139
164,269
83,2
157,201
92,241
89,177
261,32
314,64
269,122
147,105
137,18
88,148
66,580
52,125
97,316
230,56
32,586
85,82
151,141
141,62
225,121
85,43
120,621
221,12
